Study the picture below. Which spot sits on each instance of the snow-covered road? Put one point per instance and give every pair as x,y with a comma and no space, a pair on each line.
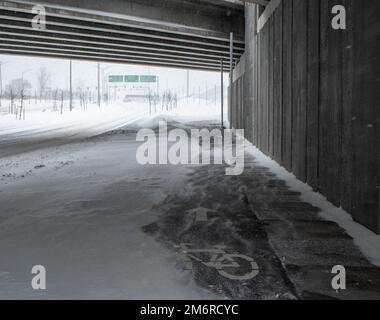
26,138
79,210
105,227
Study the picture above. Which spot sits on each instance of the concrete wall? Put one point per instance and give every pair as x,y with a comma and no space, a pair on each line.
310,98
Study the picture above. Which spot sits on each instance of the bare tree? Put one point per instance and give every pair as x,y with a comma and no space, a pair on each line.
55,100
82,98
23,87
11,94
169,100
19,88
150,99
62,96
175,101
82,95
155,101
163,100
43,78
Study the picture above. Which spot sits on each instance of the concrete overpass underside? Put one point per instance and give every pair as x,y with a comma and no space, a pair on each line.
192,34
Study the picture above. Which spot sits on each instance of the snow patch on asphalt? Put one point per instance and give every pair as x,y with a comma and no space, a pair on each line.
367,241
84,224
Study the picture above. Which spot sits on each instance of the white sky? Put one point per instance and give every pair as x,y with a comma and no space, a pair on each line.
86,72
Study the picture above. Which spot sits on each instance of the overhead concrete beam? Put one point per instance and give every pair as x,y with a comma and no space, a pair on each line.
91,43
69,45
16,16
65,30
90,57
80,33
194,15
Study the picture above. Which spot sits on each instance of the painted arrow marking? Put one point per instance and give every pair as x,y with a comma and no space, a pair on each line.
201,214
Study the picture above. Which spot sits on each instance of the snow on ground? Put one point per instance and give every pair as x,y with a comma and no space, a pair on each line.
367,241
43,117
188,111
79,213
79,208
45,127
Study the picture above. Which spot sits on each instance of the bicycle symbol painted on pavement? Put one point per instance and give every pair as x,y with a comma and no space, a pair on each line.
232,266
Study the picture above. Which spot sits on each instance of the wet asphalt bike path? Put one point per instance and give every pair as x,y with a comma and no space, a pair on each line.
251,237
214,213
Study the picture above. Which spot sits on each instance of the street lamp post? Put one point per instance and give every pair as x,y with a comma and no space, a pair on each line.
100,76
104,84
1,82
71,85
99,84
22,110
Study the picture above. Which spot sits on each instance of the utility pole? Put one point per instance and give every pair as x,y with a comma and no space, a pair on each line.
99,84
71,85
222,91
215,95
1,83
22,108
187,84
104,87
231,76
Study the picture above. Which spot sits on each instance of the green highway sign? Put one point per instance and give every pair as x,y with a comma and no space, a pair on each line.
131,78
115,78
148,79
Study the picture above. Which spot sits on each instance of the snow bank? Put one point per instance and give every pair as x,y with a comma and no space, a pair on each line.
42,116
186,113
367,241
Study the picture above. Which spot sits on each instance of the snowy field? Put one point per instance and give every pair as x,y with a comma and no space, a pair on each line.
42,115
43,127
